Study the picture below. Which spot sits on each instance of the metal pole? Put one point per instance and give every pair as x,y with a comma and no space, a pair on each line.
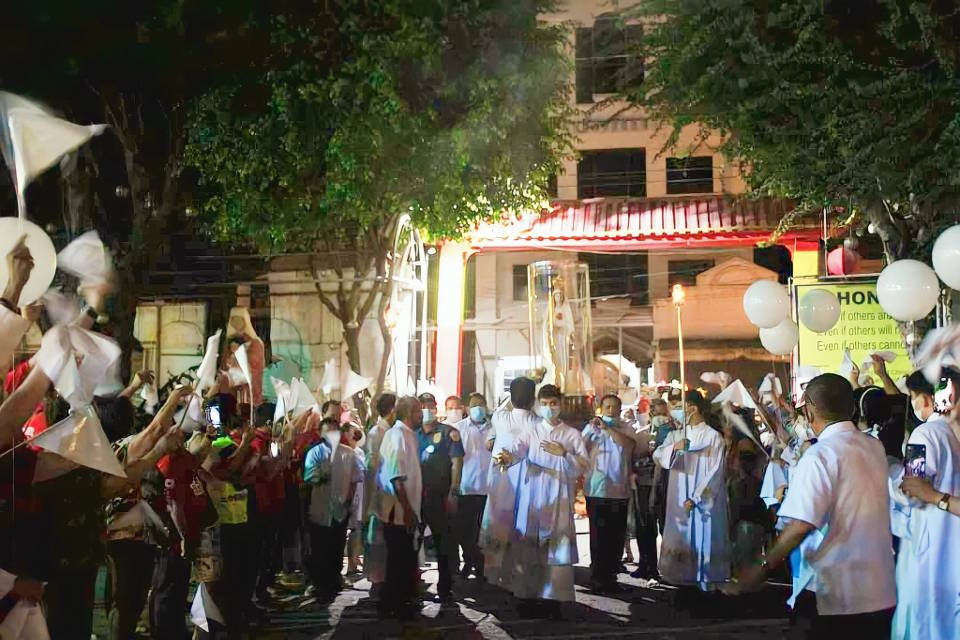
683,378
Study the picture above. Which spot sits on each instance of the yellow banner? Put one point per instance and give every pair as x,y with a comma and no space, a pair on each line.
863,327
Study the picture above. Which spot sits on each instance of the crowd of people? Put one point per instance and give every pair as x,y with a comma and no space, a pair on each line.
857,489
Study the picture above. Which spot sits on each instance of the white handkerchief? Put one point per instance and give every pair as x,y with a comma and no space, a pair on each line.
86,258
735,393
207,371
80,439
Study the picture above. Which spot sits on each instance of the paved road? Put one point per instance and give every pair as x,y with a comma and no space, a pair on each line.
641,611
484,612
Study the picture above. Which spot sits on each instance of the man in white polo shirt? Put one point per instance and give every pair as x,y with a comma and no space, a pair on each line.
838,491
477,435
401,487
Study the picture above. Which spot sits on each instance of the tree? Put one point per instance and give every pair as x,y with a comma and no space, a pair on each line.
846,106
135,66
369,110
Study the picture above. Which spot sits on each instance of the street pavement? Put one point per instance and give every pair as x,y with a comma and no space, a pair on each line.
642,610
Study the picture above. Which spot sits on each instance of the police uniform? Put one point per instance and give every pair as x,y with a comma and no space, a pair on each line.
438,448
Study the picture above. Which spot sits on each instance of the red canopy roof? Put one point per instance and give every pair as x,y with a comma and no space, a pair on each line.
634,225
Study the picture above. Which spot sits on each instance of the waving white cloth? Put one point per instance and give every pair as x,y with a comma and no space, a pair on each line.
940,347
32,140
86,258
78,438
207,371
735,393
282,389
301,399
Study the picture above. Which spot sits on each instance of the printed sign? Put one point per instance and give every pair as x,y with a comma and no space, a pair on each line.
863,327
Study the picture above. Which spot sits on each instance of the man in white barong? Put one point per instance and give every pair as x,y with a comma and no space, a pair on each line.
498,526
546,546
694,550
928,564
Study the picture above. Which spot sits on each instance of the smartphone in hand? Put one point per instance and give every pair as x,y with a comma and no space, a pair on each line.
915,463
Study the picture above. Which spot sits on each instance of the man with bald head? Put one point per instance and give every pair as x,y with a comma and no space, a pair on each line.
837,508
401,486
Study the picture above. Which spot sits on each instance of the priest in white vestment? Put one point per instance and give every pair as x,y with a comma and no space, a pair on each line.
497,528
928,564
695,548
546,546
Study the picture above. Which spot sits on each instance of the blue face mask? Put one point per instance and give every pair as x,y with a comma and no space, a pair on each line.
478,414
608,420
548,413
429,417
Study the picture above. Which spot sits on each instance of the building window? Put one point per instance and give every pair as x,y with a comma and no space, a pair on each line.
470,288
612,172
690,175
606,58
685,272
519,283
618,275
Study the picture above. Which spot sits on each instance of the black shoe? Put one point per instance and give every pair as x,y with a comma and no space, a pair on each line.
643,574
465,572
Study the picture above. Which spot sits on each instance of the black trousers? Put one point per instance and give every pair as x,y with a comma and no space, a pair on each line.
608,530
69,599
271,555
239,549
469,515
645,520
168,600
436,517
131,573
326,556
875,624
400,582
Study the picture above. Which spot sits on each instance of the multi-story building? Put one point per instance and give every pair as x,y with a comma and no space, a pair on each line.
642,215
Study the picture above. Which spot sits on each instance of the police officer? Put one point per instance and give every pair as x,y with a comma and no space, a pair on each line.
441,463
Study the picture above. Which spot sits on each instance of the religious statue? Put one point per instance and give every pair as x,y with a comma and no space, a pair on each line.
558,335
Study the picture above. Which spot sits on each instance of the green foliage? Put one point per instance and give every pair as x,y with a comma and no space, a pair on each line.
828,103
368,109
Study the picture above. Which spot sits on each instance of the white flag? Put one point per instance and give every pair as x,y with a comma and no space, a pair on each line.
282,389
353,383
207,371
204,609
33,140
80,439
331,377
301,399
241,355
86,258
735,393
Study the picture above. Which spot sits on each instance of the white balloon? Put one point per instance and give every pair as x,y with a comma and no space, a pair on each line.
766,303
41,250
946,257
781,339
908,290
819,310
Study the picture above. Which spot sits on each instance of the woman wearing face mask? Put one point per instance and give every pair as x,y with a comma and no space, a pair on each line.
694,551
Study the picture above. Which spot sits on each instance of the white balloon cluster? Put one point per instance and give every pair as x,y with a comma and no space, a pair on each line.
767,306
908,289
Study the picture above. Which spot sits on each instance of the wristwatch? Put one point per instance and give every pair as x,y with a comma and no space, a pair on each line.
944,504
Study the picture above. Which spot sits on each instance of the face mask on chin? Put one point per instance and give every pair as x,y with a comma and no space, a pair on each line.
608,420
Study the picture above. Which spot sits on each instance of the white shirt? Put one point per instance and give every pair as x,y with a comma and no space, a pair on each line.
399,459
610,463
332,476
841,483
476,458
372,450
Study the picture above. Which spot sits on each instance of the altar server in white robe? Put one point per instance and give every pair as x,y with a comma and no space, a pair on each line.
928,565
695,549
554,457
497,528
